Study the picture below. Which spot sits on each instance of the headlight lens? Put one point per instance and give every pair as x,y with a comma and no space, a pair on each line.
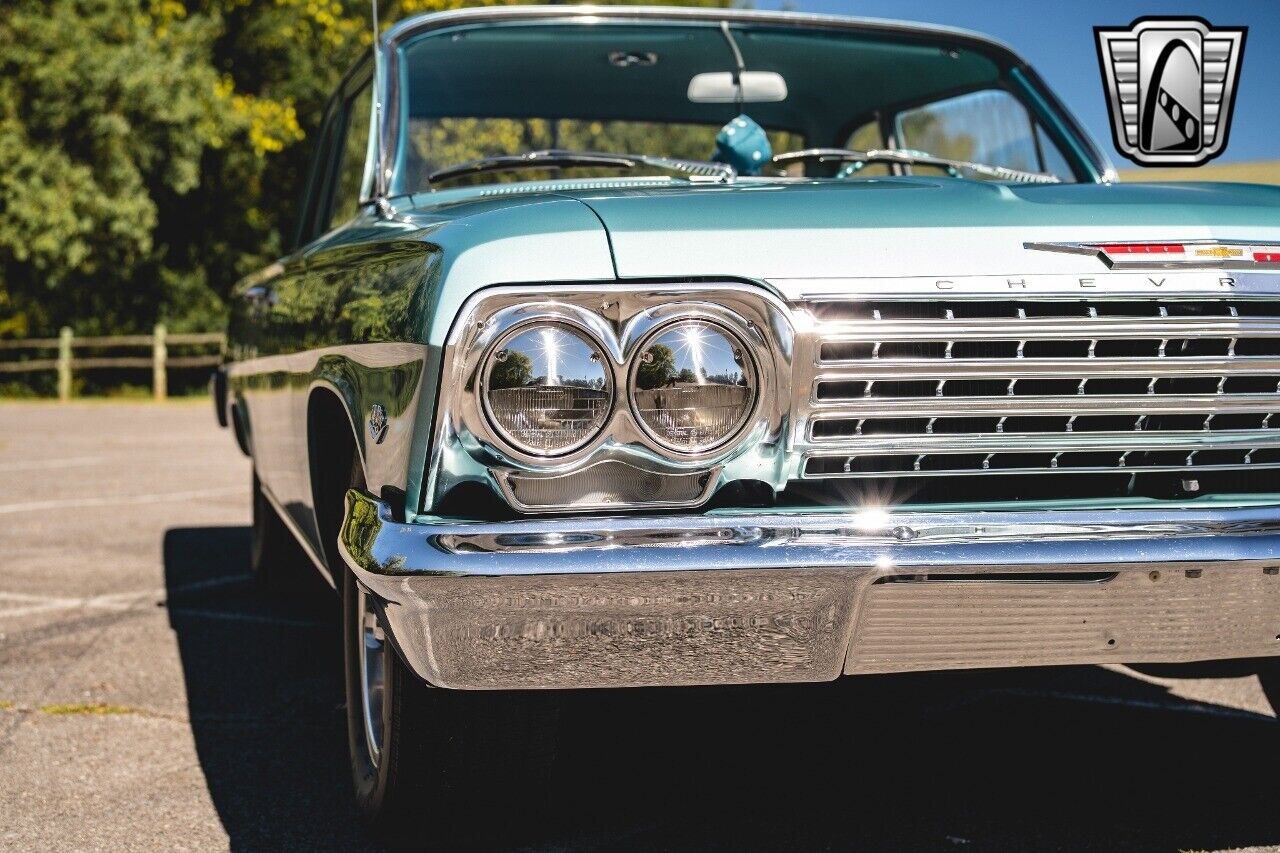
693,386
547,389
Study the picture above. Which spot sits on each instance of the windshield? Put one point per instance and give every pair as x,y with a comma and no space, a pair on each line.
491,90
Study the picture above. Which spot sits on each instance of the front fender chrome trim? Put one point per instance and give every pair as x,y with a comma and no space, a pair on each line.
762,597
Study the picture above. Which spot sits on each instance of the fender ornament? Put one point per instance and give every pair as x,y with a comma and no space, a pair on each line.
378,422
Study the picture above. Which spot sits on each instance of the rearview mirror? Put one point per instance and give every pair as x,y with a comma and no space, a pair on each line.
717,87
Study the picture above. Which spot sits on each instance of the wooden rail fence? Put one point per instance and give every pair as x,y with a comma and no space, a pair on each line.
159,361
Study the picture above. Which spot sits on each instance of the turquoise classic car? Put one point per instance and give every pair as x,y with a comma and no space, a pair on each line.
639,347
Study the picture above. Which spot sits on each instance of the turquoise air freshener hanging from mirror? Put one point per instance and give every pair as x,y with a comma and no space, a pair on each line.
743,145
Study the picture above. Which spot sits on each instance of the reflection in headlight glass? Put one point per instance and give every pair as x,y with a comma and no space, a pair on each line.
694,386
548,390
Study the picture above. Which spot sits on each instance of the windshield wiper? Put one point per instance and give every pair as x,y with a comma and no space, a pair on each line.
906,157
694,170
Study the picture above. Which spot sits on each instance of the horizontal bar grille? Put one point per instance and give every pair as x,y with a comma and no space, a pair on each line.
1126,427
1100,462
1020,388
940,309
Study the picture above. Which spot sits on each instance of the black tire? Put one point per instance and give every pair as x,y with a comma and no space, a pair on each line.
447,758
1270,678
276,560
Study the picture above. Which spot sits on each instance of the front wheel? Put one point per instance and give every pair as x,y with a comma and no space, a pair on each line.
1270,678
423,757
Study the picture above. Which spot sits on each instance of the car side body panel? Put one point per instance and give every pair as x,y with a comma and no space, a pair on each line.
363,314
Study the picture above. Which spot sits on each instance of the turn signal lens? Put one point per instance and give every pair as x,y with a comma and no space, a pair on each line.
547,389
693,386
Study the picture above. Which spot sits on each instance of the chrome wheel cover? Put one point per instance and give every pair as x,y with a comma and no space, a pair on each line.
373,651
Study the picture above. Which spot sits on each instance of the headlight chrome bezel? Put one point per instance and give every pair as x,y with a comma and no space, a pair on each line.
618,320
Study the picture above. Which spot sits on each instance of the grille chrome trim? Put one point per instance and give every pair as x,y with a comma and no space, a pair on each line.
1069,442
1127,380
1100,404
1049,329
1127,383
855,369
1027,472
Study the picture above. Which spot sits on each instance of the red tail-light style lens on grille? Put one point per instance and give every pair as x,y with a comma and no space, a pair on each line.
1142,248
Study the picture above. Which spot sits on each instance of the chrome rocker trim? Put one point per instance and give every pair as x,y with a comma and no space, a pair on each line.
767,598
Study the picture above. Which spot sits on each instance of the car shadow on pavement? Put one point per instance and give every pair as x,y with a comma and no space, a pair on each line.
1067,758
265,697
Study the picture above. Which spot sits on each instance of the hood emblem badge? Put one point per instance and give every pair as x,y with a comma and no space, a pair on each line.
1219,252
1182,254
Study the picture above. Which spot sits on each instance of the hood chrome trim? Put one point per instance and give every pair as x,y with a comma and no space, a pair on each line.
1216,261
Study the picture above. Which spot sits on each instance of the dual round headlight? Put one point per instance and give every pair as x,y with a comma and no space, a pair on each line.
548,391
692,387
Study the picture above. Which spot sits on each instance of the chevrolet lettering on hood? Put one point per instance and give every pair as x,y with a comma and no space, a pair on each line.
626,346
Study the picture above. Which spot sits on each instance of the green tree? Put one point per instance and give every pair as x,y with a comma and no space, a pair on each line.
657,368
514,371
152,151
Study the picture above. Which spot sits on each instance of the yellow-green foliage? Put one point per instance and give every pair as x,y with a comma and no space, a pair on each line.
152,151
271,125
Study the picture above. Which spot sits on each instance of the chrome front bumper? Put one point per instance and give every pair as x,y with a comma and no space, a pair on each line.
764,597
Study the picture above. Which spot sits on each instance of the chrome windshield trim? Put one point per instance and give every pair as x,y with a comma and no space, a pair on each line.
415,26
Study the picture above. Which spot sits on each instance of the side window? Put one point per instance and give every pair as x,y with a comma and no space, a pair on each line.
313,207
348,174
990,127
1054,162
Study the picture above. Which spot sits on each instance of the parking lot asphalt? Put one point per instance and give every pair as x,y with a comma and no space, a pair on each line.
152,699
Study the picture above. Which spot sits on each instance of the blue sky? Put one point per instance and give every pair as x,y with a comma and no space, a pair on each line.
1057,38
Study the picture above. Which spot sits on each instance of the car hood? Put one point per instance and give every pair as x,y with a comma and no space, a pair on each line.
784,232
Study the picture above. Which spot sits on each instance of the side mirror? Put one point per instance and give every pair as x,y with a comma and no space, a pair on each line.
717,87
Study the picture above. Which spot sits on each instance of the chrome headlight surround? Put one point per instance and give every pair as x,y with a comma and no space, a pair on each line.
619,319
485,333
